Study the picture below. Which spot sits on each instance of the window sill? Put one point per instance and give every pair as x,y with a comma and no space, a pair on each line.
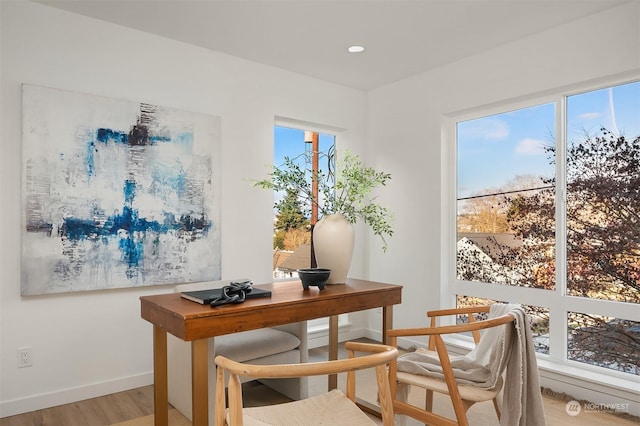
581,382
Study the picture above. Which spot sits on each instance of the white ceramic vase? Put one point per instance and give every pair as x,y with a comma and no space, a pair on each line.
333,242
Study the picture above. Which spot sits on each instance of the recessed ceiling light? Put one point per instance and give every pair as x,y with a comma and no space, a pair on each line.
356,49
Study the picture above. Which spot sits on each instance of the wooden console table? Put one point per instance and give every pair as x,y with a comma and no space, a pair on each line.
289,303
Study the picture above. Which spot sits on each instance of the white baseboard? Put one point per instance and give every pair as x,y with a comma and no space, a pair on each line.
320,338
52,399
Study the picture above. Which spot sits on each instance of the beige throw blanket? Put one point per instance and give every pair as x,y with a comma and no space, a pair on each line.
502,350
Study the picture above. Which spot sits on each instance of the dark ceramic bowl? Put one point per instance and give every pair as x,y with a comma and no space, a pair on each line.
314,277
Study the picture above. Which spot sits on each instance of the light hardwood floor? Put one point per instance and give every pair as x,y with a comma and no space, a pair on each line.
135,403
102,411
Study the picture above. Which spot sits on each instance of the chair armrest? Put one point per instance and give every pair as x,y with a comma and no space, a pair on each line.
451,329
366,347
458,311
383,355
469,311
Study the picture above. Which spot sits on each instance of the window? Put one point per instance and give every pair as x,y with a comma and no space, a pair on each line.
503,159
603,203
309,148
293,217
553,222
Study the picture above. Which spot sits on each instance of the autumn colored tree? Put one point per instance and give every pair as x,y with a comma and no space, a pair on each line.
528,259
486,211
603,203
294,238
603,217
603,242
482,212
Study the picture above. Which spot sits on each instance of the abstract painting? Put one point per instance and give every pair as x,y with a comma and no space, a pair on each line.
116,193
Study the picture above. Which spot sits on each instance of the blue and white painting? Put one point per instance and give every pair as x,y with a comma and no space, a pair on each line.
116,193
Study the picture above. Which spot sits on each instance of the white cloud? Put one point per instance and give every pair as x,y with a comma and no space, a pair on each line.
530,147
590,115
488,128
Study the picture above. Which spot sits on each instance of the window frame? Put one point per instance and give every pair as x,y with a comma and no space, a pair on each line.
557,301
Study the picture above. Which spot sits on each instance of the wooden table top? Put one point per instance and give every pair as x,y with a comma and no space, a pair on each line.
288,303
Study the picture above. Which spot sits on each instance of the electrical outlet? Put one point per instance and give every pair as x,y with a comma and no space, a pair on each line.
25,358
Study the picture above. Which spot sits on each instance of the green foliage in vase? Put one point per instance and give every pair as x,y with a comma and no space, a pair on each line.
349,194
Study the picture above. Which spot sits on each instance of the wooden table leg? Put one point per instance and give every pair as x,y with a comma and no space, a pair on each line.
387,322
333,348
200,382
160,387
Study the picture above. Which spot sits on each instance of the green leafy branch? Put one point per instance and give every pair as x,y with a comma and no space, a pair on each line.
350,196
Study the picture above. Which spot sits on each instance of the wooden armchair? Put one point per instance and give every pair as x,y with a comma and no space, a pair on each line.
329,408
462,396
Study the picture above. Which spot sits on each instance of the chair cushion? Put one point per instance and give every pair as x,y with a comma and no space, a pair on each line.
331,408
253,344
467,393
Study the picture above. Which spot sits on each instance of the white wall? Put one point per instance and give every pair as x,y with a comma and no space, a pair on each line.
93,343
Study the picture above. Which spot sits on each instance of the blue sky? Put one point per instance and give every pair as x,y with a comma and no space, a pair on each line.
290,142
493,150
617,109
